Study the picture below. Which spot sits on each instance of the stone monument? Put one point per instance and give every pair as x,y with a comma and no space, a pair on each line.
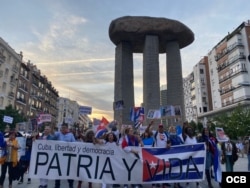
149,36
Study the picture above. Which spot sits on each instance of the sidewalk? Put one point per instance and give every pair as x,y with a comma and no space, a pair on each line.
241,165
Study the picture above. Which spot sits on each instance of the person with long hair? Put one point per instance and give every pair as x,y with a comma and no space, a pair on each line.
88,138
147,136
110,139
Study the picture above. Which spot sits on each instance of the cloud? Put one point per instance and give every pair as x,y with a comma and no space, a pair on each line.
70,44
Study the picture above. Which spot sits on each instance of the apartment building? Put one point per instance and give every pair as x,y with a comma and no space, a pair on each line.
227,76
232,67
24,87
84,121
35,93
10,63
68,111
196,89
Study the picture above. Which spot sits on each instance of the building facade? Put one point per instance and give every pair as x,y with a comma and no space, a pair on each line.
10,63
35,94
24,87
225,74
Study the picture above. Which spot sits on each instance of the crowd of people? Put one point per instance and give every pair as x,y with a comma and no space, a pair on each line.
126,138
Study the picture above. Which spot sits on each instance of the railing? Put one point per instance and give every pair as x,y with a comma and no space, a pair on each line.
227,50
232,74
244,98
230,62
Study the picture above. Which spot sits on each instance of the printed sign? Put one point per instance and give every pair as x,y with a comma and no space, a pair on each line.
104,163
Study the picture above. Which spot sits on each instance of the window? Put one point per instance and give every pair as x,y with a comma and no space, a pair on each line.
6,73
201,71
1,101
4,87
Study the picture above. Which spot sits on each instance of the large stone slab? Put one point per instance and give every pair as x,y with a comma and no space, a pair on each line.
133,29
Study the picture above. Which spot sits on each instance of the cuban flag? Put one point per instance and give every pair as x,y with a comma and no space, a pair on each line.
216,162
100,133
137,114
184,163
103,124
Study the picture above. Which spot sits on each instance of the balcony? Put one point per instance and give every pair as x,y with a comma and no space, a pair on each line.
21,100
228,50
11,94
232,74
227,90
244,98
2,58
230,62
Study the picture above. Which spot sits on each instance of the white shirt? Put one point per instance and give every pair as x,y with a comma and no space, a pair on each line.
190,140
161,140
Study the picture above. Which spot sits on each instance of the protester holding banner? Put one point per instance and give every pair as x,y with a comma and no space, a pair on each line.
229,154
89,138
161,139
175,141
47,135
190,138
65,135
129,140
110,140
212,156
11,159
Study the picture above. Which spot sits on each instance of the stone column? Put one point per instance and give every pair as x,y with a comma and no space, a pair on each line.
151,76
124,81
174,78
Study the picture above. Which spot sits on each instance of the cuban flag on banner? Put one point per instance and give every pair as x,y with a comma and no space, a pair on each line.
184,163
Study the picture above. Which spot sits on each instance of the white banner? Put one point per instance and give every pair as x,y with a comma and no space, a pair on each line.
111,164
7,119
154,114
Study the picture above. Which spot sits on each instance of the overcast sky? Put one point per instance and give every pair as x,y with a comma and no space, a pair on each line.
68,40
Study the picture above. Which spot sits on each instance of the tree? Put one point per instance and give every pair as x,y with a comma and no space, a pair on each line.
10,111
235,124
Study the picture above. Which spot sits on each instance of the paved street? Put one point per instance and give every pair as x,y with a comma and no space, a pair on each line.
241,165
